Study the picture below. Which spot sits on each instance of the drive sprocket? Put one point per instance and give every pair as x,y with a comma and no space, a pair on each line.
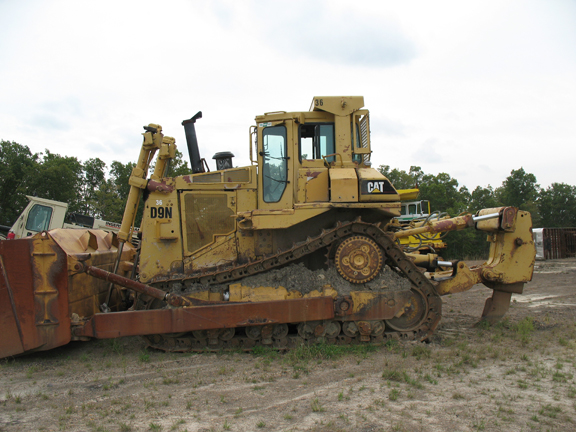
359,259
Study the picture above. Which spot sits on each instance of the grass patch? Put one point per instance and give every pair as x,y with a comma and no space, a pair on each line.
549,411
324,351
421,352
264,351
392,375
524,330
316,406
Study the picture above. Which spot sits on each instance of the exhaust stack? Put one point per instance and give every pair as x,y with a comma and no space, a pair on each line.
192,141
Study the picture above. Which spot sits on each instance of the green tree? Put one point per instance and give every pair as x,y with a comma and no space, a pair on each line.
519,189
17,167
120,175
482,198
402,179
443,193
178,166
107,202
93,179
557,206
58,178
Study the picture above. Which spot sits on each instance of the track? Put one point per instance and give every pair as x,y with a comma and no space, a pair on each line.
418,321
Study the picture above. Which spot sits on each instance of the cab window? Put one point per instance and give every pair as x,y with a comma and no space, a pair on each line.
274,167
357,157
39,218
317,141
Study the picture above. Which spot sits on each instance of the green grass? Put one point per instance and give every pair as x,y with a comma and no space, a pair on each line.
524,330
316,406
392,375
264,351
421,352
324,351
549,411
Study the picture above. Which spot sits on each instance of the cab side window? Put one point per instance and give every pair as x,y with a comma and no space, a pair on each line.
274,169
317,141
39,218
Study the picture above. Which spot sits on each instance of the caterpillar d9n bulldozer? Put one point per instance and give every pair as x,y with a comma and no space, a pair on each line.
300,246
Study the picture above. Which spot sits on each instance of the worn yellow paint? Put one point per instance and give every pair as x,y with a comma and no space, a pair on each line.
343,185
510,263
242,293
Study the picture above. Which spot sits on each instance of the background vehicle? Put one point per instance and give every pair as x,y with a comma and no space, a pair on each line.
42,214
416,213
300,246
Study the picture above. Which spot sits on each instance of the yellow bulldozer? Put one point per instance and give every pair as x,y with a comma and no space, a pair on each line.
300,246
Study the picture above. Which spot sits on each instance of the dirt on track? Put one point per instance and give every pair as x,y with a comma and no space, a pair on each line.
515,376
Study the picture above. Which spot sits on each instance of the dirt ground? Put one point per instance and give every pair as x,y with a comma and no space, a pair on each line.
515,376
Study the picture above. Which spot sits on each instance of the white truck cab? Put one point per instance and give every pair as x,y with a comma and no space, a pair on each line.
42,214
39,215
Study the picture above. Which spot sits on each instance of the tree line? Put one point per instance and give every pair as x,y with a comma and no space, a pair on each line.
89,188
553,206
92,188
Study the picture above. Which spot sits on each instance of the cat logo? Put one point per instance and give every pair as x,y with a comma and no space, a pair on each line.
375,186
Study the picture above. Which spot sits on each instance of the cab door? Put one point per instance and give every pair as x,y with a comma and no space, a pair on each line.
275,159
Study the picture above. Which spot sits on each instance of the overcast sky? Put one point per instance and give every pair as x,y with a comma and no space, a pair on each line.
474,89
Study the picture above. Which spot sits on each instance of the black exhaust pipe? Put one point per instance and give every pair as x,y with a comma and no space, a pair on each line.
192,141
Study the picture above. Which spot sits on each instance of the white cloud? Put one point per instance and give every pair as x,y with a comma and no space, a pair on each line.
492,82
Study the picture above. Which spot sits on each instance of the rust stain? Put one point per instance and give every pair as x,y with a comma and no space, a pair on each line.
508,215
159,321
312,174
159,186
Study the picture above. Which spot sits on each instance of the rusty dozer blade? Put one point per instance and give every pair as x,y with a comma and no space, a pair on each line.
41,286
